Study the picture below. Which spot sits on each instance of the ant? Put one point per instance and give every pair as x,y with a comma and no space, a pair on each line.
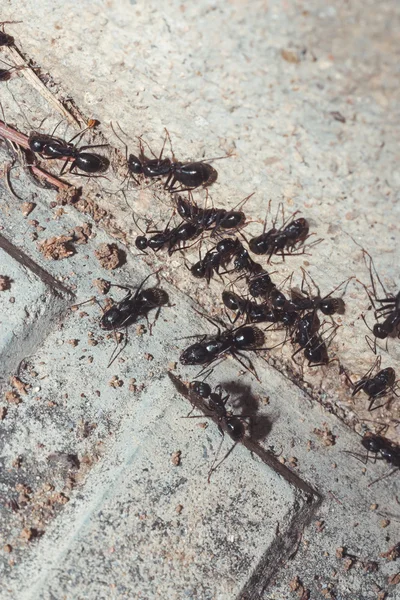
377,386
212,218
50,147
307,336
230,341
262,285
128,310
289,237
169,237
189,175
254,313
303,300
383,449
389,309
233,425
214,259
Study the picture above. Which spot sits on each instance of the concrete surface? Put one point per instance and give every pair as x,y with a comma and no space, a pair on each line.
80,514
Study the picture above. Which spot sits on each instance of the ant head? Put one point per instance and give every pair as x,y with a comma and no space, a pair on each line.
135,165
196,354
202,388
141,242
289,318
317,353
198,269
379,331
184,208
389,375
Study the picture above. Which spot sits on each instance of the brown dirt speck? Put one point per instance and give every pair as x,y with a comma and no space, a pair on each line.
68,196
109,256
176,458
57,247
326,436
115,382
27,208
393,553
27,534
19,385
12,397
5,283
384,523
3,412
81,233
102,285
289,56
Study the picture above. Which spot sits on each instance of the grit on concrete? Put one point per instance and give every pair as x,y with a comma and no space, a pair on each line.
93,502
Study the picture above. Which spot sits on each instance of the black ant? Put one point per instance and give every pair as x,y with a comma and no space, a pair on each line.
212,218
214,259
50,147
230,341
171,238
389,309
128,310
306,335
254,313
244,262
303,300
288,237
381,384
383,449
233,425
189,175
261,285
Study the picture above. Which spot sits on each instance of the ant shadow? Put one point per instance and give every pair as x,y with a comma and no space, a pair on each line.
245,401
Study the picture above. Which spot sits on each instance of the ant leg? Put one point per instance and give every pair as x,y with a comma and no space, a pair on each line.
373,344
215,457
383,476
170,144
214,468
94,146
361,457
216,322
115,354
372,268
250,367
92,299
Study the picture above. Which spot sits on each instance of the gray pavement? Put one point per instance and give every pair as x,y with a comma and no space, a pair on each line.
93,503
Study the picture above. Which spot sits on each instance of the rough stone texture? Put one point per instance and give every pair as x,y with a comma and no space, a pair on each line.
306,99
